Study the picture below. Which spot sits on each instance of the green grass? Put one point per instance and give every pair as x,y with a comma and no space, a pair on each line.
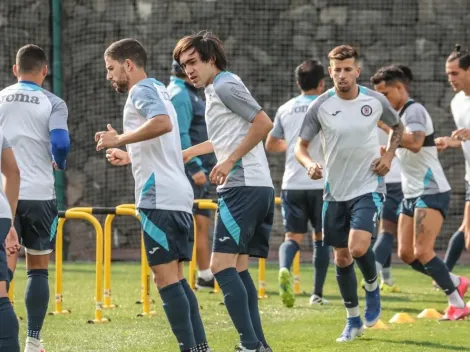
301,329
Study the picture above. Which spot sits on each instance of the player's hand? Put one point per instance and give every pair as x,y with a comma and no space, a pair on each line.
381,166
187,156
442,143
220,171
199,178
462,134
12,245
117,157
315,171
107,139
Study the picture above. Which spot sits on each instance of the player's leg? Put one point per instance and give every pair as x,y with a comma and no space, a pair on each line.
456,245
428,219
9,328
205,277
258,247
168,240
383,252
321,252
231,237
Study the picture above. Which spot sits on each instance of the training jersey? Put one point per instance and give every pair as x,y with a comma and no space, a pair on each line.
230,109
350,140
27,115
157,164
287,123
5,210
421,173
394,175
460,107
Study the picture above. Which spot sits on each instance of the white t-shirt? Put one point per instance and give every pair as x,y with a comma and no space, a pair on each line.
421,172
27,115
350,140
230,109
157,164
287,124
5,210
460,107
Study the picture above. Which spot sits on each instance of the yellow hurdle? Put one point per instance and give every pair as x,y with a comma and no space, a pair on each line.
145,283
192,263
262,278
108,223
11,292
296,270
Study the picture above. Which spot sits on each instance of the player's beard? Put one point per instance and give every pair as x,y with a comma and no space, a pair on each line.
122,86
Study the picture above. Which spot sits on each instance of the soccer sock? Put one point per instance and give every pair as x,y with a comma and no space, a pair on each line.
287,252
196,321
455,249
388,262
177,310
36,299
383,250
387,272
9,327
366,264
321,261
252,295
455,279
416,265
347,283
10,279
206,274
440,273
236,301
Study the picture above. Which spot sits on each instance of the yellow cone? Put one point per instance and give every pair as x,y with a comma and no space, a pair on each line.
401,318
430,313
379,326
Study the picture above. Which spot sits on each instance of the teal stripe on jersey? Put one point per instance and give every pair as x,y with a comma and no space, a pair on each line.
153,231
377,201
324,209
53,229
428,177
420,204
148,184
228,220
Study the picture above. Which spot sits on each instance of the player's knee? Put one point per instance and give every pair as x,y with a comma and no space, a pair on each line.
317,236
406,255
423,253
296,237
357,249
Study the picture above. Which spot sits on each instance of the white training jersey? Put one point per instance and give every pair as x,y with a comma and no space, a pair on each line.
27,115
230,109
350,140
5,210
287,124
421,173
157,164
460,107
394,175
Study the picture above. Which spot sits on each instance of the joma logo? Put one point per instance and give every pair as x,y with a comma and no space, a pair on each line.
22,98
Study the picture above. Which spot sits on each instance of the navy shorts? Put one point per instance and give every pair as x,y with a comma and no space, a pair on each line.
360,213
244,220
5,225
300,206
467,192
391,207
201,192
168,235
438,201
36,224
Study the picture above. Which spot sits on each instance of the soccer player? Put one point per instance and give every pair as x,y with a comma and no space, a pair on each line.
9,245
302,198
236,126
163,195
425,189
347,116
458,74
35,122
190,109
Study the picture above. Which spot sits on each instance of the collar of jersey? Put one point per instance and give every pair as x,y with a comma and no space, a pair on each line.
29,82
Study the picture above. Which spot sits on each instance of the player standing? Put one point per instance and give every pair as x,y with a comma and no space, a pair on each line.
425,189
190,109
302,197
163,195
347,117
34,121
236,126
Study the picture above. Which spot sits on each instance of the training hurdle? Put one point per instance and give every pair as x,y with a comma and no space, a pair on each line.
76,213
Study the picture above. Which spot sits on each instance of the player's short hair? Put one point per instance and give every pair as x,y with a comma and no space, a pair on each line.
392,74
30,59
343,52
309,74
127,48
206,44
462,55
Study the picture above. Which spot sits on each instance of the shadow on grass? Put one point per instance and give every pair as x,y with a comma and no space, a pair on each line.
426,344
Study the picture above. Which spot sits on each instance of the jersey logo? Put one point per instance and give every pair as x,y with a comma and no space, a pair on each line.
22,98
335,113
224,239
153,250
366,110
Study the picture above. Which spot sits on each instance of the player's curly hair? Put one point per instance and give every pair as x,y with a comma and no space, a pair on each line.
206,44
462,55
392,74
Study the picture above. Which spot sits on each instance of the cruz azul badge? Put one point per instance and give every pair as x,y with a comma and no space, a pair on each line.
366,110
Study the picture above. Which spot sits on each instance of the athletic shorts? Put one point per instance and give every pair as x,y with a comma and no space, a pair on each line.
5,225
438,201
301,206
391,207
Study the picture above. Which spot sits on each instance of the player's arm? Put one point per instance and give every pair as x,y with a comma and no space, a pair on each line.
442,143
411,140
310,128
275,142
196,150
59,132
11,176
155,127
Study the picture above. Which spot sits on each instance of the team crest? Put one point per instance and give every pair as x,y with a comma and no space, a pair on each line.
366,110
